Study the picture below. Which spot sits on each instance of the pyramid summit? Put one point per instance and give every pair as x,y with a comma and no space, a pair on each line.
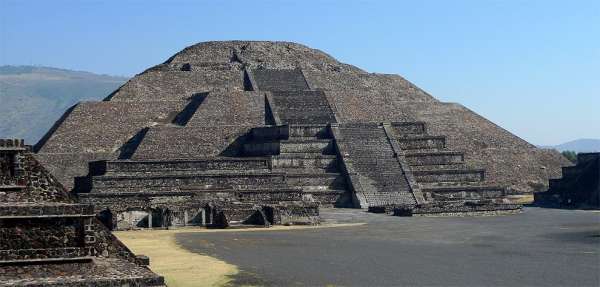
267,132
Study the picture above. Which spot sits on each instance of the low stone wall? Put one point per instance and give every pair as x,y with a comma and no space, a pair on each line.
80,273
456,209
46,210
145,166
105,184
40,233
23,255
192,142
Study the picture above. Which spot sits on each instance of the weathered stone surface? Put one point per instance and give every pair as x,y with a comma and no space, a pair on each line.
48,239
484,144
292,107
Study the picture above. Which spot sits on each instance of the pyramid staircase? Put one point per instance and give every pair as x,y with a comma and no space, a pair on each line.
442,174
304,157
381,176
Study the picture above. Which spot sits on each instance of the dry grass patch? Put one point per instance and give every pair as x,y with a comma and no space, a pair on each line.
180,267
521,199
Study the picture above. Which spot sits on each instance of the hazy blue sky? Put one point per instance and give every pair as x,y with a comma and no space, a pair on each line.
533,67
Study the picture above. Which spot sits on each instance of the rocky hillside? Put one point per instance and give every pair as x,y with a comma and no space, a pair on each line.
32,98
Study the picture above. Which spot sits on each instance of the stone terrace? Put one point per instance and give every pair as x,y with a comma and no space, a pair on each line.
190,130
48,239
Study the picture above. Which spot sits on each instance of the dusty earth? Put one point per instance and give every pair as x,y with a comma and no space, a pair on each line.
539,247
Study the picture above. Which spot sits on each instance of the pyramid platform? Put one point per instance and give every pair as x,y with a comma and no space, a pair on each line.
247,132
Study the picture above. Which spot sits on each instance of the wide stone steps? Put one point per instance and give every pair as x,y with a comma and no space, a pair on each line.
209,180
305,161
318,180
289,102
370,154
449,175
359,133
389,198
295,145
326,198
409,128
364,152
223,179
465,192
434,158
182,173
323,118
310,170
316,131
436,167
385,178
210,164
422,142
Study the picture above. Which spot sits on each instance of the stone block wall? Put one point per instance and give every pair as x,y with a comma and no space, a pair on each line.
65,167
188,142
40,185
40,233
230,108
484,144
103,127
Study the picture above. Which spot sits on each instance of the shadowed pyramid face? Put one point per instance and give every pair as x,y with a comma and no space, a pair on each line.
209,100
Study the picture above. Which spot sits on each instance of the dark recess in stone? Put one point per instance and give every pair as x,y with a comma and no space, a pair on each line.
188,112
247,82
129,148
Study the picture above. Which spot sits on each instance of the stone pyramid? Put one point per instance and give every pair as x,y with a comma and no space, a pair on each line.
48,239
274,129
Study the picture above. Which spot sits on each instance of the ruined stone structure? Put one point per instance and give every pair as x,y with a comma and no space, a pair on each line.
578,188
266,132
47,239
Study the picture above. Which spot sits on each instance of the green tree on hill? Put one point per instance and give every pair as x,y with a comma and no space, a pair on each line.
570,155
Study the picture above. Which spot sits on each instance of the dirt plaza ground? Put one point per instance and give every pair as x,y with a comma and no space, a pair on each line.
539,247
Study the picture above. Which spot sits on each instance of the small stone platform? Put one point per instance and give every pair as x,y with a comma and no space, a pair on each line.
49,239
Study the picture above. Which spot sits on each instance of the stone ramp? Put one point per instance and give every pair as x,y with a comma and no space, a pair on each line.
372,157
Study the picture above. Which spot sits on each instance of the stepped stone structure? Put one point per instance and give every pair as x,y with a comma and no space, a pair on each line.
48,239
266,132
578,188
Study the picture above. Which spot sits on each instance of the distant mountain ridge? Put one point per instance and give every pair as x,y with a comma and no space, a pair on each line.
578,145
32,98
